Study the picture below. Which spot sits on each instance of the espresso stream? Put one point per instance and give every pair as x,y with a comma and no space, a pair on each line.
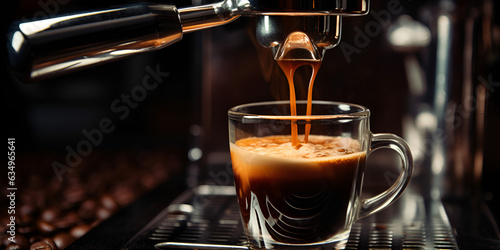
289,67
295,189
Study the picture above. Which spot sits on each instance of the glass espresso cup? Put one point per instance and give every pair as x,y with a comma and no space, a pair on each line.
307,194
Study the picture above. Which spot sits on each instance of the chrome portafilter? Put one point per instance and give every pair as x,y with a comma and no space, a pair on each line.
44,48
298,37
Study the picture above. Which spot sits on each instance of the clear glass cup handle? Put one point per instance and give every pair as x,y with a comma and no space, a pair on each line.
396,143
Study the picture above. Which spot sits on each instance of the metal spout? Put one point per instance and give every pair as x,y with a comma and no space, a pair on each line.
298,46
298,37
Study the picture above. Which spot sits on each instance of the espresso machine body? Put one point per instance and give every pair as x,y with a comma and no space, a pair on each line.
427,70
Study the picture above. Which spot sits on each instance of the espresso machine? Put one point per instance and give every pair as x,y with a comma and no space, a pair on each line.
167,74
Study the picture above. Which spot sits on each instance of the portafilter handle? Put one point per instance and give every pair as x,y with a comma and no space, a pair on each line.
45,48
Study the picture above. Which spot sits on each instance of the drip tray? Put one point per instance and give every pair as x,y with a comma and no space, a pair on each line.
208,218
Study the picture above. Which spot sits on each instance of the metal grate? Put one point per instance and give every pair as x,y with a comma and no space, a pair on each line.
208,218
216,221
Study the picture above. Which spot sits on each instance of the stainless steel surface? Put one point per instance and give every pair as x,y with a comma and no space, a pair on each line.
206,16
214,223
447,71
44,48
298,7
302,37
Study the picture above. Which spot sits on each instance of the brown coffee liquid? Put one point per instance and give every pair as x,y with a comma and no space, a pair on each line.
289,67
295,196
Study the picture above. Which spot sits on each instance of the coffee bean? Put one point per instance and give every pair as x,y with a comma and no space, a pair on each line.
103,213
87,210
50,242
79,231
14,246
70,219
26,210
108,202
27,219
62,240
50,214
45,227
40,246
123,194
74,193
21,221
35,238
26,229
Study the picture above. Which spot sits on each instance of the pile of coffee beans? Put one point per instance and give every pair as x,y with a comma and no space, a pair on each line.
52,213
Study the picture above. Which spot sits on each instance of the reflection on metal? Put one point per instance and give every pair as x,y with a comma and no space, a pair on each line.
44,48
445,120
406,34
298,37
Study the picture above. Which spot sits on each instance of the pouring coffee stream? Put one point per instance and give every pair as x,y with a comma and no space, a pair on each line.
289,67
295,52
